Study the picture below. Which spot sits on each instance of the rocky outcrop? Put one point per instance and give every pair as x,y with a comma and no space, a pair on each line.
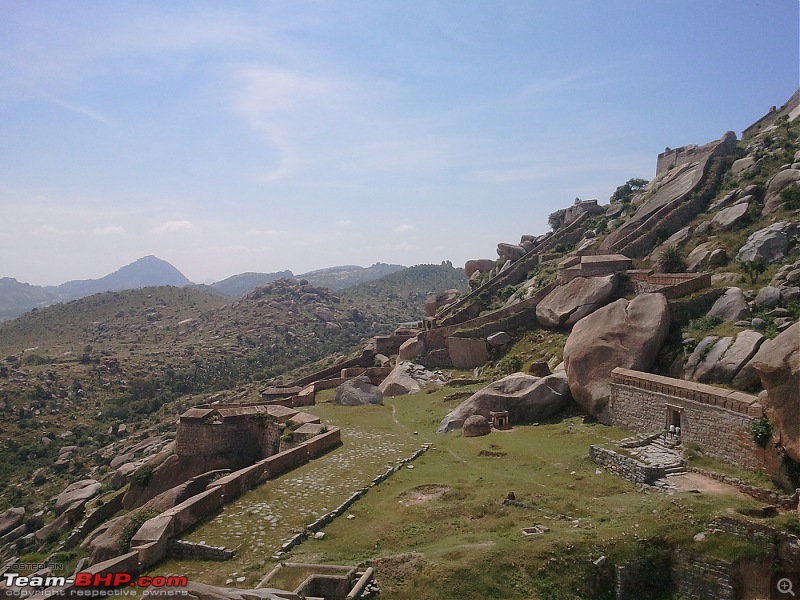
512,252
409,378
476,426
716,360
731,217
772,200
526,398
11,519
481,265
625,334
437,301
568,303
78,493
671,204
770,243
358,392
778,365
731,306
706,256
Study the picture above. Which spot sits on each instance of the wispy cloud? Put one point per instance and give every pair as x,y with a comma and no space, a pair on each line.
404,228
176,227
344,222
287,108
264,232
109,230
81,110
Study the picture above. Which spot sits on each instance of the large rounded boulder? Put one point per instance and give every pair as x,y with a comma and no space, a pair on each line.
358,392
525,397
476,426
777,363
625,334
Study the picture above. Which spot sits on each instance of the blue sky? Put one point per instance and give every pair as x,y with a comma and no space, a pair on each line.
259,136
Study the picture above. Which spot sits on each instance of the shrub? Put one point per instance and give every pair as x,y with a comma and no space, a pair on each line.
705,323
671,261
133,526
762,431
753,268
142,476
509,364
790,197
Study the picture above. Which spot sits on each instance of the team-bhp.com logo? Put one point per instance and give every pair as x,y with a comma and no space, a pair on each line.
93,581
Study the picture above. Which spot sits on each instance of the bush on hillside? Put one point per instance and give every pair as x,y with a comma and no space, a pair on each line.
671,261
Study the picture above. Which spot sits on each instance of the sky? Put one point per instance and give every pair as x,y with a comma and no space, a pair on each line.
227,137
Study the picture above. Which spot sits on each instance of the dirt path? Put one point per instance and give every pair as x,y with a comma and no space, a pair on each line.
705,485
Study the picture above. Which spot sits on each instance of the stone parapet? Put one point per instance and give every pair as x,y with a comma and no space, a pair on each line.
740,402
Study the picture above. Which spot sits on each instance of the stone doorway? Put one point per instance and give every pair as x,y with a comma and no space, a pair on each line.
674,424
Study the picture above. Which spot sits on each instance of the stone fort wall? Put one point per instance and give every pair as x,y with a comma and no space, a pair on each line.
719,421
251,437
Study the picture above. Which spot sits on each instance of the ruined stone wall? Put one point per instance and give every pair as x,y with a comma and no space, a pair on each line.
719,421
245,437
508,317
702,577
625,466
672,286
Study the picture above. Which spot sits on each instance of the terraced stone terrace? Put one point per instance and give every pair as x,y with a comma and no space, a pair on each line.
260,521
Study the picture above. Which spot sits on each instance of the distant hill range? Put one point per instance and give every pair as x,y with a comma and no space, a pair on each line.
17,297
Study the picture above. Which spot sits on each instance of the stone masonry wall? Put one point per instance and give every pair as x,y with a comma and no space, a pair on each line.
719,421
625,466
246,437
702,577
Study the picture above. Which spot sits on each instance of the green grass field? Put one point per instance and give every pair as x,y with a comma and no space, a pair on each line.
441,530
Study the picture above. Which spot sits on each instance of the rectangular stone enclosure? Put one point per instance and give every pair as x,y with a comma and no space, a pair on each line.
719,421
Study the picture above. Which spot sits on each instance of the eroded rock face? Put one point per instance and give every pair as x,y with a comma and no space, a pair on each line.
777,363
526,398
409,378
625,334
358,392
569,303
731,306
720,360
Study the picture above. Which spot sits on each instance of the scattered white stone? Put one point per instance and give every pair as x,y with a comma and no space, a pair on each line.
351,516
700,537
240,579
410,466
319,535
598,472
